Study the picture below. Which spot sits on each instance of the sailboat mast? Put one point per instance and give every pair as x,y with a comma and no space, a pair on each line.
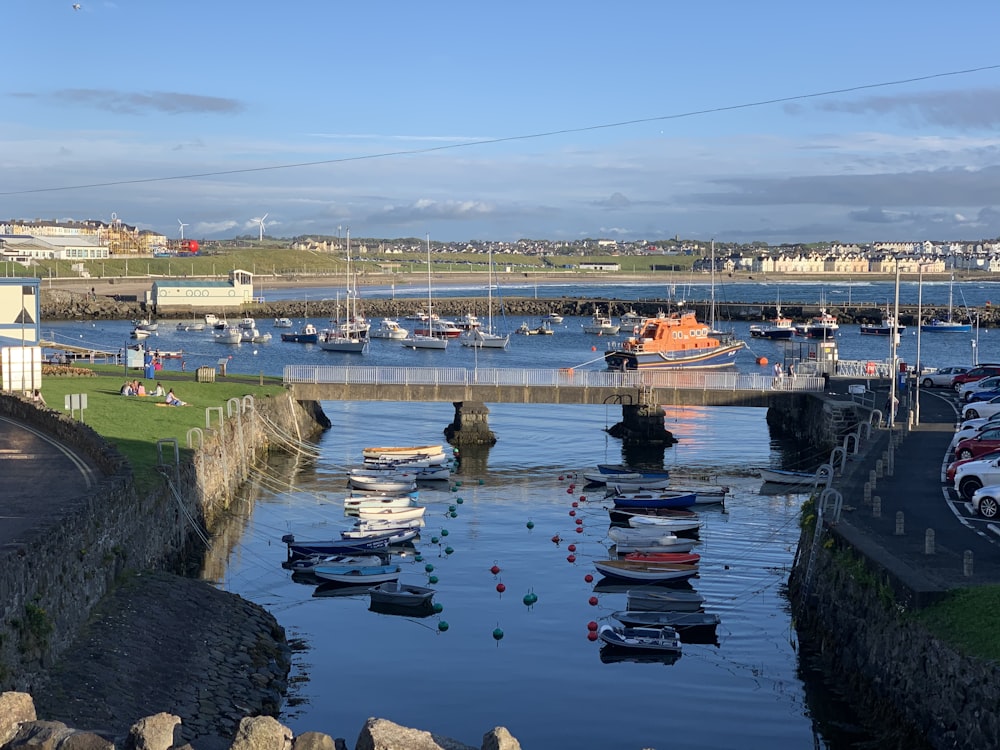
430,317
711,312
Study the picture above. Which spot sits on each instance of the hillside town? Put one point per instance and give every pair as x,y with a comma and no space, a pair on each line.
26,240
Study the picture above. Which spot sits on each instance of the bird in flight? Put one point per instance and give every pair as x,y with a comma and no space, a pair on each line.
76,6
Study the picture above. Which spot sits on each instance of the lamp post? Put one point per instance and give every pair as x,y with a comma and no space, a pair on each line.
893,343
920,320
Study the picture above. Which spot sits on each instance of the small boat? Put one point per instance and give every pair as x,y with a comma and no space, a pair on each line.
247,323
306,564
630,316
355,574
780,476
399,501
140,333
228,336
403,451
543,329
672,342
601,325
685,623
883,328
649,539
146,325
308,335
659,499
299,548
211,319
776,329
642,483
384,482
640,639
823,326
282,323
554,318
396,514
194,325
468,322
667,523
401,594
393,536
949,325
616,469
642,571
374,527
649,598
389,329
684,558
254,336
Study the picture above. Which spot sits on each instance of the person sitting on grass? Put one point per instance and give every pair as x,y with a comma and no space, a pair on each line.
37,398
172,400
126,389
158,391
140,390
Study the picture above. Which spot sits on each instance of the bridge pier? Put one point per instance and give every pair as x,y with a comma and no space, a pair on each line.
471,425
642,424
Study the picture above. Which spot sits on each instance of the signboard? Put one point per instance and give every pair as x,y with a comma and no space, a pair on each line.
19,311
22,368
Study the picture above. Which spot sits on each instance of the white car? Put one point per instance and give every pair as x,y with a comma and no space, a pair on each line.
966,390
981,409
977,422
940,378
986,501
965,432
971,476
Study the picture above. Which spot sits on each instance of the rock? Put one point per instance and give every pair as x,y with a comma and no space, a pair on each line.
499,738
314,741
262,733
154,732
14,709
39,735
86,741
382,734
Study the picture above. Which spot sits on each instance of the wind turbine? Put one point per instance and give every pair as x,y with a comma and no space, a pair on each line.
182,227
261,222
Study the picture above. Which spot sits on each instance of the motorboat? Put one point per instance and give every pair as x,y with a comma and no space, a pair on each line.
228,336
282,323
302,548
648,540
640,639
247,323
675,341
194,325
254,336
307,335
885,327
356,574
776,329
140,333
645,571
601,325
691,627
398,594
389,329
468,321
554,318
822,326
543,329
145,324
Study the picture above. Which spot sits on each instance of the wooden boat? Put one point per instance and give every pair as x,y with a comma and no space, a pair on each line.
684,558
393,536
396,514
675,341
648,598
302,548
780,476
664,522
404,451
649,539
356,574
384,482
306,564
400,594
640,639
643,571
379,501
660,499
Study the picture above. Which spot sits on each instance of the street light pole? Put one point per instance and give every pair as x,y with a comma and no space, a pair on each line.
893,365
920,320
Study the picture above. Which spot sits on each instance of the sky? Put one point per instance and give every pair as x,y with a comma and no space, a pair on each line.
770,122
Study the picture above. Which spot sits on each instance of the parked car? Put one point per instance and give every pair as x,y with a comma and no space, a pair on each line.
986,501
972,475
984,442
983,395
976,373
966,390
979,409
953,467
941,378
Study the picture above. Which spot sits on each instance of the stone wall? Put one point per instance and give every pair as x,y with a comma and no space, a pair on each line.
820,422
885,660
51,580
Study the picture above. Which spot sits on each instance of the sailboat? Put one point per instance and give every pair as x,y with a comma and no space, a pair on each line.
937,325
420,340
346,338
489,338
725,337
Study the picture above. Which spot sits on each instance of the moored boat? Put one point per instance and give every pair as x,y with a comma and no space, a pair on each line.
660,499
781,476
648,598
640,639
648,540
401,594
645,571
395,514
683,558
602,325
355,574
403,451
675,341
307,335
304,548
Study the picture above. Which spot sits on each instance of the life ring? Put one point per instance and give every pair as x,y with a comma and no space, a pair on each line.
870,368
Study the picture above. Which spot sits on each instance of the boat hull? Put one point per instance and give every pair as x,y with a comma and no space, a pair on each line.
722,356
645,572
397,594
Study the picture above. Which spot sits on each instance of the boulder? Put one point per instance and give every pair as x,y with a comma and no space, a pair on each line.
382,734
86,741
14,709
499,738
156,732
39,735
262,733
314,741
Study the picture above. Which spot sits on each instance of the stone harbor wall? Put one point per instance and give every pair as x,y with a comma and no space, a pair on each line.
20,729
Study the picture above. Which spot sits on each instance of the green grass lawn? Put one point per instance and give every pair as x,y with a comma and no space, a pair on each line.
134,424
967,619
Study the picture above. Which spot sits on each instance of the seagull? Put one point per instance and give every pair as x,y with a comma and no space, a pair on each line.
76,6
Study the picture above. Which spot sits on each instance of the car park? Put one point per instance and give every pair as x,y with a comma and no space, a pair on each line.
980,409
983,395
971,430
976,373
986,501
966,390
972,475
941,378
984,442
953,467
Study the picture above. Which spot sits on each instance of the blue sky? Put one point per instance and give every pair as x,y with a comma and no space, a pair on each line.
486,121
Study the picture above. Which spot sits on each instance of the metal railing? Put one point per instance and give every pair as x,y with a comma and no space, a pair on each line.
563,378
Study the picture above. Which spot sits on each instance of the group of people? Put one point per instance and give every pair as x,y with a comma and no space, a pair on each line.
138,388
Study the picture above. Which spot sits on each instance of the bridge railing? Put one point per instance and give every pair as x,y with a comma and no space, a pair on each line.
562,378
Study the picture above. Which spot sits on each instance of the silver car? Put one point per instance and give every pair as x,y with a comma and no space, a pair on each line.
986,501
941,378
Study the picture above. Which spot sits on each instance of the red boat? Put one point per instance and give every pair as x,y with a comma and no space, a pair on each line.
687,558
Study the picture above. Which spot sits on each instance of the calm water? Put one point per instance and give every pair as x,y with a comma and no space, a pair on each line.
544,680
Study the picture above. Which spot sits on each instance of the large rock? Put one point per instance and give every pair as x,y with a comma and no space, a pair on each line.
314,741
14,709
382,734
156,732
262,733
499,738
39,735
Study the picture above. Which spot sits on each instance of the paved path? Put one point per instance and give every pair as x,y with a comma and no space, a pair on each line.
917,490
39,477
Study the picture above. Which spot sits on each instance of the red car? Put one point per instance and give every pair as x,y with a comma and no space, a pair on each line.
974,447
953,466
976,373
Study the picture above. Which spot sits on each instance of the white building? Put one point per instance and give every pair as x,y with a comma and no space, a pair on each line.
208,295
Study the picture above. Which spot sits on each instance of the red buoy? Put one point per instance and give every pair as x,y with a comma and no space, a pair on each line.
572,548
591,625
501,588
579,522
572,512
579,529
588,578
575,504
592,635
592,601
571,558
569,490
495,569
556,539
583,498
